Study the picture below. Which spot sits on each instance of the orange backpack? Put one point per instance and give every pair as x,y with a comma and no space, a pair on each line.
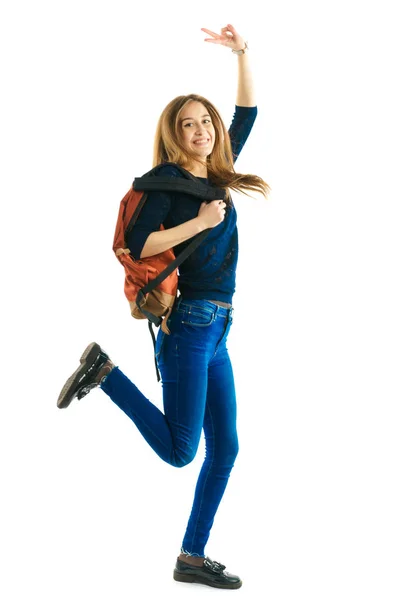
150,283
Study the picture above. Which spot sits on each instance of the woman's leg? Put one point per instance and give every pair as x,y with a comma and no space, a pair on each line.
183,362
221,451
174,435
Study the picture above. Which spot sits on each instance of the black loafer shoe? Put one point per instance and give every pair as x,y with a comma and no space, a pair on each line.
211,573
95,365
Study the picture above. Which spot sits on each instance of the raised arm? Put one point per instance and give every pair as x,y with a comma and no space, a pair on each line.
230,38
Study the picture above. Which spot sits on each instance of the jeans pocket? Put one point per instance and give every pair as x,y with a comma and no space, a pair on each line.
198,317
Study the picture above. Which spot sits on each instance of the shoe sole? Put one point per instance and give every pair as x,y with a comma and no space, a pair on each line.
196,579
67,393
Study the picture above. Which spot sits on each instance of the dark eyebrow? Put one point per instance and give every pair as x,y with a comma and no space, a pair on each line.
191,118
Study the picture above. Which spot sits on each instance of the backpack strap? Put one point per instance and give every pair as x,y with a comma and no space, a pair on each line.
174,184
151,181
200,237
153,319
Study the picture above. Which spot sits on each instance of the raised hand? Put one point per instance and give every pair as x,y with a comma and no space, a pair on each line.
227,37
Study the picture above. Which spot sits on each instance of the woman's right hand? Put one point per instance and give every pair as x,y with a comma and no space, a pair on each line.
212,213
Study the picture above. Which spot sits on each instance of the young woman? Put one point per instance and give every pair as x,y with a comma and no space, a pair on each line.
197,377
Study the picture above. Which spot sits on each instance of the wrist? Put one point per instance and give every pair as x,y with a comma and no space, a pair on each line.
242,50
200,224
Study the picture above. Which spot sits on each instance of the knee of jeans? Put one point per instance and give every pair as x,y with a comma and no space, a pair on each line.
233,451
228,453
184,456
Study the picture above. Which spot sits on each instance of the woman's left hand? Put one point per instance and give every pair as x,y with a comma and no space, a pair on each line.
228,37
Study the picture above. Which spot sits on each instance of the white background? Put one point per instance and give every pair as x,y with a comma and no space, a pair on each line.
312,509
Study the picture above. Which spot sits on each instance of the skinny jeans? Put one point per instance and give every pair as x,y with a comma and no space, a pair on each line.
198,395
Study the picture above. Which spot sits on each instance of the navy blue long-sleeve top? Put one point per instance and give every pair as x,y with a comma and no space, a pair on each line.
209,273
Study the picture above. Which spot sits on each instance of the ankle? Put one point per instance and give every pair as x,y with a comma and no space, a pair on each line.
104,371
196,561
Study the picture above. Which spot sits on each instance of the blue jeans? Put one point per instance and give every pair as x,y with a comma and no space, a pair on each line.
198,393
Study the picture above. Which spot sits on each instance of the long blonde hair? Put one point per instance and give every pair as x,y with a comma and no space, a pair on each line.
169,147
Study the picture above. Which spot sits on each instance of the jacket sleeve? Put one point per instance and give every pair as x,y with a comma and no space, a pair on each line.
152,215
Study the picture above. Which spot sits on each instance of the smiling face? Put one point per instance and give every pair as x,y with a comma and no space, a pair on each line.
197,130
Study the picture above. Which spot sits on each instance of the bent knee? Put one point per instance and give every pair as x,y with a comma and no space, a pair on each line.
184,456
